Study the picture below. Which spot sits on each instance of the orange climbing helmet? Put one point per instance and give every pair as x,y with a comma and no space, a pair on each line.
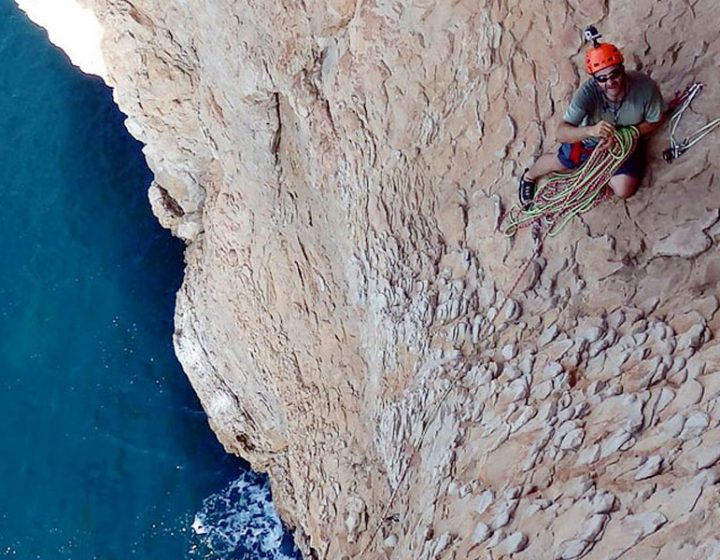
600,55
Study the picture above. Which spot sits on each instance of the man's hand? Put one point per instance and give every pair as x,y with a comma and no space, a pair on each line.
605,132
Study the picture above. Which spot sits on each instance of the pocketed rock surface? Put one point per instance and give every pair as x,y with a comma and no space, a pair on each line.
338,170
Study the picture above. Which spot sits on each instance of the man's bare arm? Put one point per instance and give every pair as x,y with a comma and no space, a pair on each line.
569,133
645,127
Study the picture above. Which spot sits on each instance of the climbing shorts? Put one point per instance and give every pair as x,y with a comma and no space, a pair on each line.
572,155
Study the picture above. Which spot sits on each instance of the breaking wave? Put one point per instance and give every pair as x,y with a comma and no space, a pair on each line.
240,523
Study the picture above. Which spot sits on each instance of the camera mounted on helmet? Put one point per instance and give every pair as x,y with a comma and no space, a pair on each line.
592,34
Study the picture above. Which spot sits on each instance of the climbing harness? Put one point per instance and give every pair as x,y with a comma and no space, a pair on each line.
566,195
682,102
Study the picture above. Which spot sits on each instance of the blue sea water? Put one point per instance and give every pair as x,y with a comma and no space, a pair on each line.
105,452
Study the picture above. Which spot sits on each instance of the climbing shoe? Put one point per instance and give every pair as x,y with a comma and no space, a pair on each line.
526,191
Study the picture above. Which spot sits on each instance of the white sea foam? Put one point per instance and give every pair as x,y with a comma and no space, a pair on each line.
240,523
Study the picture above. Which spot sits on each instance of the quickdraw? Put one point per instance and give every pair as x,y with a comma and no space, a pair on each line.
678,107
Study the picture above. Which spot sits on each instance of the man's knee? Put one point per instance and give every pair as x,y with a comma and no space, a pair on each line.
624,186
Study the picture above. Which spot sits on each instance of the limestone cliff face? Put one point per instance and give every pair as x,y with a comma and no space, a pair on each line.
337,169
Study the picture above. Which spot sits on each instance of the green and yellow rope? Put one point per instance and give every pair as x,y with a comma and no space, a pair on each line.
566,195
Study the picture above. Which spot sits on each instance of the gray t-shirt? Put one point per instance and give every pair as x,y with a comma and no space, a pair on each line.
642,102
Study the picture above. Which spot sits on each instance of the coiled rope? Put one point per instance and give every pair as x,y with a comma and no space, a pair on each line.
566,195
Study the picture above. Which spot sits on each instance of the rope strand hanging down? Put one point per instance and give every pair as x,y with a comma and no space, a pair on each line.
566,195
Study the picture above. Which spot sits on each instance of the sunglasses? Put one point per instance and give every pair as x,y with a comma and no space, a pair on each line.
610,76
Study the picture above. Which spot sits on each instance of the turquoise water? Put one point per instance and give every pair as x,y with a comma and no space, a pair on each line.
105,452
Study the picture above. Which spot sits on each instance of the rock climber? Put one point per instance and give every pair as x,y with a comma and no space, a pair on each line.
612,97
